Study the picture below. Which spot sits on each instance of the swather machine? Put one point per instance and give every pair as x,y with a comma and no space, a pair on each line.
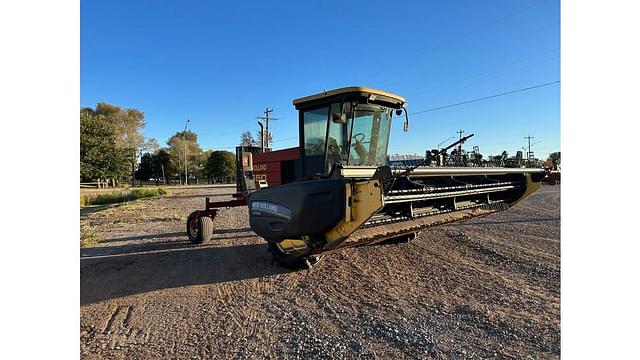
336,190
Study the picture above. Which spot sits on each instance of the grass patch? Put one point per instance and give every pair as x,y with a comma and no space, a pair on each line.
83,200
120,196
88,236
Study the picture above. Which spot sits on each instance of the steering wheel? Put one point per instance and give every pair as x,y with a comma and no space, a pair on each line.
359,137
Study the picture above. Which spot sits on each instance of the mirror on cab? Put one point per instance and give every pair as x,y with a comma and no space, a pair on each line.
339,118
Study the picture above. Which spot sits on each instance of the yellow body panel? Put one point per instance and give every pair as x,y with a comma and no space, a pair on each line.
366,200
531,188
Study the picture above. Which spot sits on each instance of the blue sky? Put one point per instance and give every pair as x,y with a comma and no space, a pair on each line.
220,63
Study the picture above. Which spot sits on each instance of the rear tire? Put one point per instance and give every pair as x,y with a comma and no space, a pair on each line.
290,261
199,229
205,229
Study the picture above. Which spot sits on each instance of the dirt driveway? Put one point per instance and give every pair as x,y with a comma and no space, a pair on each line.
489,287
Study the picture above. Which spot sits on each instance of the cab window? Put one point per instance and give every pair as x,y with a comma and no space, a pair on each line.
338,140
315,132
370,136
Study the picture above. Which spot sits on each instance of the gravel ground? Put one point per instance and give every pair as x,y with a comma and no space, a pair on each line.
485,288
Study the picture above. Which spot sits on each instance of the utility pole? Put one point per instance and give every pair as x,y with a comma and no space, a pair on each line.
529,152
184,141
460,132
266,117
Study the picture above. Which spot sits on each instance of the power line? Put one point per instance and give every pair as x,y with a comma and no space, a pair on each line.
485,98
446,85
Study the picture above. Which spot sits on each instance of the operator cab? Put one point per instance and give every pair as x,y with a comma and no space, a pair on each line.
349,126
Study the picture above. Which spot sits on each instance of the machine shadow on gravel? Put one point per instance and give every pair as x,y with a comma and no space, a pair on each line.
177,235
115,250
114,276
142,237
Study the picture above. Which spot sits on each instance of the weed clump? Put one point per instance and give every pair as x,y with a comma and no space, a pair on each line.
88,236
120,196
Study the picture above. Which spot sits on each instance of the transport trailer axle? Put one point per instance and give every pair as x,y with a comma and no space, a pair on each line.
200,222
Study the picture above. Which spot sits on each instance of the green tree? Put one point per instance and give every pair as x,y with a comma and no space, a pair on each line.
162,165
220,164
554,159
150,145
270,137
100,157
201,163
146,169
179,143
127,125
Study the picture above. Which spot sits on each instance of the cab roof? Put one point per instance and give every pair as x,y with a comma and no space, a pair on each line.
351,93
